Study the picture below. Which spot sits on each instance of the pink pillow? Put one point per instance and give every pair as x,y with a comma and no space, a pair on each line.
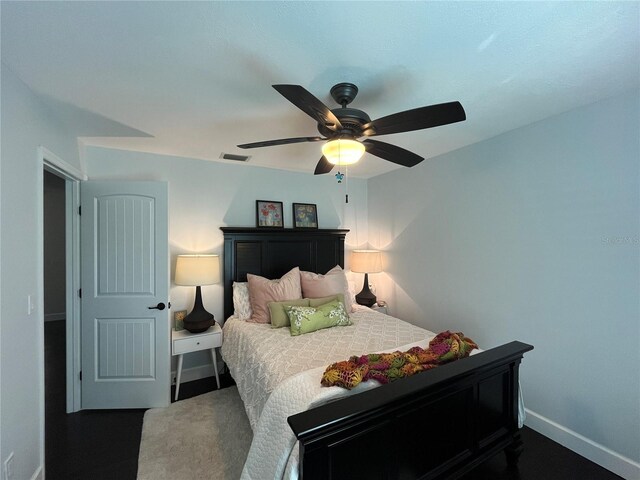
262,291
335,281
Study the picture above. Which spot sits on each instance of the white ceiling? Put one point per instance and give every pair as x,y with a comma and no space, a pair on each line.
194,79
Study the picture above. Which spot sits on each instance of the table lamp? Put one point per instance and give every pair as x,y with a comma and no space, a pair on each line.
366,261
194,271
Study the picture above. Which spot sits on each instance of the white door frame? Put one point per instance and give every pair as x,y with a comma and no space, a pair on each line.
72,176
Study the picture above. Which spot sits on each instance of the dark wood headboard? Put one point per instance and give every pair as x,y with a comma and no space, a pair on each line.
272,253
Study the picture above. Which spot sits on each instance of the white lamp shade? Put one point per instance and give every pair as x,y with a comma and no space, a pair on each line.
194,270
366,261
343,151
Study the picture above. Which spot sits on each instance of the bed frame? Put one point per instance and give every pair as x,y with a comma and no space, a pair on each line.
436,425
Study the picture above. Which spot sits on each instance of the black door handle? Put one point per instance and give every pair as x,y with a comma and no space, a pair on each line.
159,306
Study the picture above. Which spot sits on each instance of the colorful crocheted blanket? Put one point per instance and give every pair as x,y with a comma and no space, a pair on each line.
387,367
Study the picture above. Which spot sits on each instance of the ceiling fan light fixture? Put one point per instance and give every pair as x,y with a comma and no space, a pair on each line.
343,151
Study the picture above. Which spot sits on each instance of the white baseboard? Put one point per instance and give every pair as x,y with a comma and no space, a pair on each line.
50,317
195,373
603,456
38,474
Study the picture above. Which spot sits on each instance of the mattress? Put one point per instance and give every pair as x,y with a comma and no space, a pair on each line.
260,357
278,375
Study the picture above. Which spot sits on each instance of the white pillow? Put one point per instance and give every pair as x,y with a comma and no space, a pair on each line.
351,293
241,302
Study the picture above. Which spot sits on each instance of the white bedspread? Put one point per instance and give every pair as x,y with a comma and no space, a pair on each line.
260,357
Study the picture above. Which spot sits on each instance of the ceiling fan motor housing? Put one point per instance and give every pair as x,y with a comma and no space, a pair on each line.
352,121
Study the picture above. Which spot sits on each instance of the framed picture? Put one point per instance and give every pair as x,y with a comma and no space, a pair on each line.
269,214
305,215
178,320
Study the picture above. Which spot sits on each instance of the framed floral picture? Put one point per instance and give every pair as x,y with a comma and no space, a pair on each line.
178,320
269,214
305,215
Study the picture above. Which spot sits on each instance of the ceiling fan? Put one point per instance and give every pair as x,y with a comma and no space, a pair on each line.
343,126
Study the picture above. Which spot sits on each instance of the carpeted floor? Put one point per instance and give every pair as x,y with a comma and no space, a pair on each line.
207,436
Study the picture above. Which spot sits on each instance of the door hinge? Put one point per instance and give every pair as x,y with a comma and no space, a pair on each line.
80,293
80,375
79,209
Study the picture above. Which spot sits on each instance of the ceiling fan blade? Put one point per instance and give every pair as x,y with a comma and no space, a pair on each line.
282,141
392,153
310,105
323,166
416,119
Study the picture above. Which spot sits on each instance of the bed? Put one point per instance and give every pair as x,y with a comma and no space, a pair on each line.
438,424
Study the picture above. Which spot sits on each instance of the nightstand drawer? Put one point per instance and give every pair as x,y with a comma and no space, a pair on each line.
200,342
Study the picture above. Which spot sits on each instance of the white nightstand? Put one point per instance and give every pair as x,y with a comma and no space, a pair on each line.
186,342
380,309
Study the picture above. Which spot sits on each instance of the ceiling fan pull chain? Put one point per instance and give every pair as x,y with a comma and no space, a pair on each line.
346,183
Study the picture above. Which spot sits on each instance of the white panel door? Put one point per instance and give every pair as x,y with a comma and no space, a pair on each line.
125,271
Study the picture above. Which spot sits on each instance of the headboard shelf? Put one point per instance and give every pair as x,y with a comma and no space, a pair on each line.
272,252
285,231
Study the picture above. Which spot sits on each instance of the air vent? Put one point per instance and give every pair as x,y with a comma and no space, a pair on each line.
235,158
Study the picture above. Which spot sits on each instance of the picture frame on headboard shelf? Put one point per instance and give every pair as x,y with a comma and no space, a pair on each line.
305,215
269,214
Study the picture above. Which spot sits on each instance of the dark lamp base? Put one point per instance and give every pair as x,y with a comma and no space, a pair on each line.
366,297
199,320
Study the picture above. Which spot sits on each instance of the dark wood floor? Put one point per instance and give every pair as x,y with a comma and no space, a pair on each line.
103,445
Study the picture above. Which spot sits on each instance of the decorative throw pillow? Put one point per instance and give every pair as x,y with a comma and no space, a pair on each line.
316,302
278,313
310,319
241,302
262,291
333,282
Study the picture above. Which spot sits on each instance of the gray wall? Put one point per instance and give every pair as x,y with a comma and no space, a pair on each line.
532,235
54,247
26,124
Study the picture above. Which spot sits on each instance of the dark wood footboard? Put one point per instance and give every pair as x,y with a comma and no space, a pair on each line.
434,425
